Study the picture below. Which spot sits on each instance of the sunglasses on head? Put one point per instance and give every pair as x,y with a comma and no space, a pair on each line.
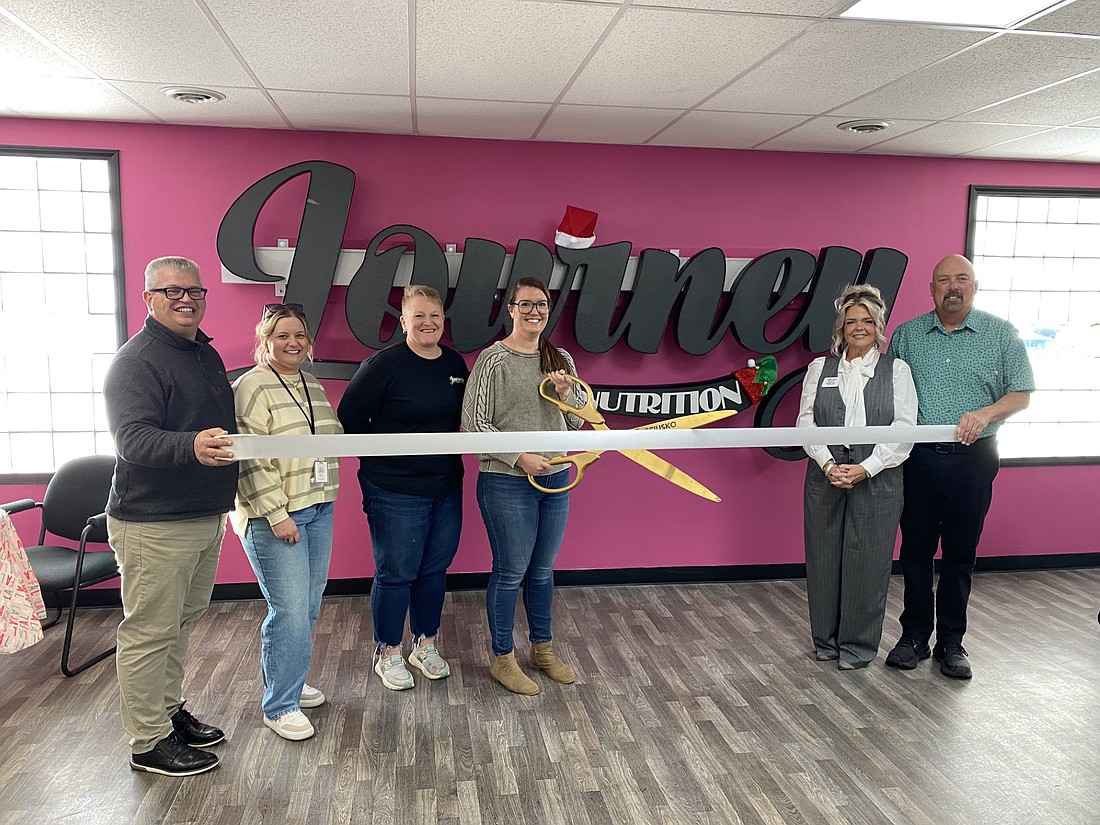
273,309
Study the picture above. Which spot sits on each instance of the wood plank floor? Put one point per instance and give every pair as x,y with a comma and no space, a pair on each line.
694,704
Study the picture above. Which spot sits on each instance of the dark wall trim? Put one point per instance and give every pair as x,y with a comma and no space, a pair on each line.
632,576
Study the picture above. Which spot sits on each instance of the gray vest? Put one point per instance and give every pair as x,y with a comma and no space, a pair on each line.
878,400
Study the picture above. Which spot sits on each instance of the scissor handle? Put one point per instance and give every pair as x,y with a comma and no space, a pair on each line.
588,412
582,461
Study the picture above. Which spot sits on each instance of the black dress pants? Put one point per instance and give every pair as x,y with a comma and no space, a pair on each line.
948,488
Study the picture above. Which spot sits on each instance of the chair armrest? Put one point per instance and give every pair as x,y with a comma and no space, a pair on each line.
98,522
19,506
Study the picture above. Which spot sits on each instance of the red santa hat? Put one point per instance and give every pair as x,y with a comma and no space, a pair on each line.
577,229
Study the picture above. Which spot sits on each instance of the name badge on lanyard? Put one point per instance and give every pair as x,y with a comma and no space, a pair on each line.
320,471
833,381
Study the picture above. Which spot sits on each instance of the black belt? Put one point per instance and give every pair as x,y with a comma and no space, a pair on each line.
950,447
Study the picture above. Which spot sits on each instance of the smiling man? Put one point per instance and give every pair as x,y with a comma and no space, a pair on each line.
971,371
169,408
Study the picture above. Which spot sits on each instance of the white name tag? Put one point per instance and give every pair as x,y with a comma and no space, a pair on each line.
831,382
320,472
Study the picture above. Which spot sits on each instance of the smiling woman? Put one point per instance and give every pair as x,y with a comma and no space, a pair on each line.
284,512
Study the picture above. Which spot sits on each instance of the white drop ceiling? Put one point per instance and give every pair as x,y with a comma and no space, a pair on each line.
743,74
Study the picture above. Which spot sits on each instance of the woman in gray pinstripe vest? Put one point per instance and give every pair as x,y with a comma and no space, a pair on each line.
853,493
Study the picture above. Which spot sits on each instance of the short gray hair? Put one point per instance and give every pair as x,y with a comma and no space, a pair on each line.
868,297
152,271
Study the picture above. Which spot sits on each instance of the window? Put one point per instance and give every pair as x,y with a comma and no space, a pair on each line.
1037,256
61,305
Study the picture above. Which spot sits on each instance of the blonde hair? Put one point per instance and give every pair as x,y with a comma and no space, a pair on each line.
868,297
419,291
266,328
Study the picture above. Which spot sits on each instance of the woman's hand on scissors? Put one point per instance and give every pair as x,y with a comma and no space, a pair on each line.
563,383
534,464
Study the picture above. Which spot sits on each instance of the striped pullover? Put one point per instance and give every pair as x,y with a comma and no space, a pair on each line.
274,488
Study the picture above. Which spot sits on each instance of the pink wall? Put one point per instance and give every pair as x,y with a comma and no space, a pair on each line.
177,183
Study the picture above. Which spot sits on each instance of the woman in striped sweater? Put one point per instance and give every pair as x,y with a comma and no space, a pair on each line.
284,512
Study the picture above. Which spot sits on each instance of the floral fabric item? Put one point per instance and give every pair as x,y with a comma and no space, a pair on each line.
21,607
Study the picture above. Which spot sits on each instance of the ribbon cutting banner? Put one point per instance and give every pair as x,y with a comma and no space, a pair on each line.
315,446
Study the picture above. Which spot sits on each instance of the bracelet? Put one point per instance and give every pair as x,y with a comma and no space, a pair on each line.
828,466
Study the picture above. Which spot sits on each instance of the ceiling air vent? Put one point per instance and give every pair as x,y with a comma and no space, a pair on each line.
864,127
192,94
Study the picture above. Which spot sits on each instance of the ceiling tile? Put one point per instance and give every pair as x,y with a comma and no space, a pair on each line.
1081,17
326,46
478,118
1058,105
344,112
241,107
604,124
949,138
23,54
502,50
822,135
1005,66
1055,143
725,130
674,59
69,97
802,8
156,41
835,62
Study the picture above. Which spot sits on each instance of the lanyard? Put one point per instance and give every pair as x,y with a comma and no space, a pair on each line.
310,418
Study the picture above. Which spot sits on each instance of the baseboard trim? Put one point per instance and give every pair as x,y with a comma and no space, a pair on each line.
109,597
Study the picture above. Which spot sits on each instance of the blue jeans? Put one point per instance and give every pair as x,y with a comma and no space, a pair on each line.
414,539
525,529
292,578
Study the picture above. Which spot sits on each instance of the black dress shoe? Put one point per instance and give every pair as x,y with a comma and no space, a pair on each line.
174,757
907,654
195,733
953,661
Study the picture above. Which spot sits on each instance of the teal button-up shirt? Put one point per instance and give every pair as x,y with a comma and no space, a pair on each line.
956,372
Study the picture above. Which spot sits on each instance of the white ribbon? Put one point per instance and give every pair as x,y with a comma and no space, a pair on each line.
313,446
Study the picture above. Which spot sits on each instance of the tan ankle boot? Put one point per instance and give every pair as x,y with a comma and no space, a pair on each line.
505,669
544,658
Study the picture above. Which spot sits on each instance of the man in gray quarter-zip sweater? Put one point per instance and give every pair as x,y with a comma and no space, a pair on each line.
169,409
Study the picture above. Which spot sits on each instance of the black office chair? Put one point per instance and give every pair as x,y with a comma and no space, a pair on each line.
73,509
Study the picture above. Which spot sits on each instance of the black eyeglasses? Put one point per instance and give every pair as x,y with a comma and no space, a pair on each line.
174,293
272,309
527,307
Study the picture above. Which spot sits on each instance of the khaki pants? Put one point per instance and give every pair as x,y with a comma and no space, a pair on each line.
168,570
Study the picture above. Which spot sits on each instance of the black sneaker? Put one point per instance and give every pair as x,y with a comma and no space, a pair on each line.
907,654
195,733
953,661
174,757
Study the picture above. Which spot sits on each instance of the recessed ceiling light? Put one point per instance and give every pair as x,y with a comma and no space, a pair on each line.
864,127
996,13
192,94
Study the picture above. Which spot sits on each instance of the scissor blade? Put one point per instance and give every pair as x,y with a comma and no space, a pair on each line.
656,464
688,422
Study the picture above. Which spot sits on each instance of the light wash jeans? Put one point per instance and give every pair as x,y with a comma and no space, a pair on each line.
292,578
414,540
525,529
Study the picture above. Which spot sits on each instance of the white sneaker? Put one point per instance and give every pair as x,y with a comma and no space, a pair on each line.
311,697
430,663
393,673
293,726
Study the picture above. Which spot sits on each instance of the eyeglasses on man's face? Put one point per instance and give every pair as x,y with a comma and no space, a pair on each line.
527,307
272,309
175,293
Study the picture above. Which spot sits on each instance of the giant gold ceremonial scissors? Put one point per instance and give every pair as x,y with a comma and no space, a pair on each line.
653,463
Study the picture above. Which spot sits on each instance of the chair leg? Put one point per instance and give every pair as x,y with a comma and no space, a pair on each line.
72,671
